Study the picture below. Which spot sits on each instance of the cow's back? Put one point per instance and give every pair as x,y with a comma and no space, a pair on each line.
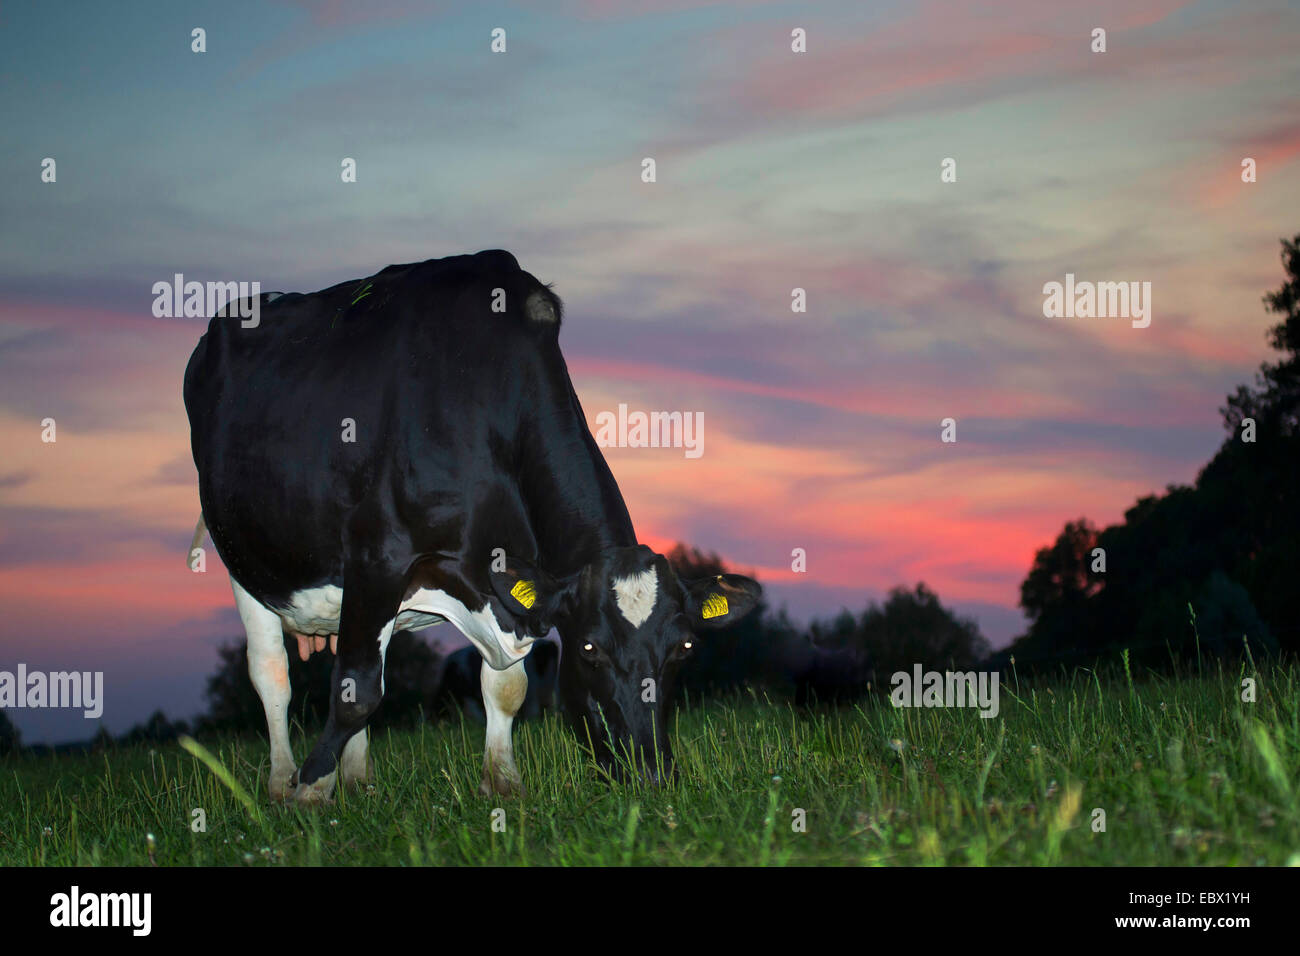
404,388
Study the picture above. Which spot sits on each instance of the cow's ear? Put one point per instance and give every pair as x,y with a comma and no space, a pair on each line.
720,601
530,594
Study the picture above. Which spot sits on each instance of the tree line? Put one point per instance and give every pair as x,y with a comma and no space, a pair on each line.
1205,571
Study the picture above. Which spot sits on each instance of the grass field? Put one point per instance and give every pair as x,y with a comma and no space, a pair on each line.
1185,771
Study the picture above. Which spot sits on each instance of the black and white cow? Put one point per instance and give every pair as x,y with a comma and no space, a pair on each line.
408,449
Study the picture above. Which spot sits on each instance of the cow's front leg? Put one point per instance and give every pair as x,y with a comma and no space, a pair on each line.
365,627
503,695
356,762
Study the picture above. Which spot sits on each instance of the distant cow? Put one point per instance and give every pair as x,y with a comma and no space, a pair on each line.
461,686
826,675
408,449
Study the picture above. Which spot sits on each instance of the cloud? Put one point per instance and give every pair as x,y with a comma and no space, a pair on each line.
178,471
946,55
15,479
1273,150
42,536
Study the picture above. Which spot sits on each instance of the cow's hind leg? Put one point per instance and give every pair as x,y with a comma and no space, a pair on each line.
268,666
370,601
503,695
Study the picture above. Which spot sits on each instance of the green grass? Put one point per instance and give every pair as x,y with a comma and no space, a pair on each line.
1186,773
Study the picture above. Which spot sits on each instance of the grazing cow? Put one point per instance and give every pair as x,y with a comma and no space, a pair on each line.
460,686
826,675
408,449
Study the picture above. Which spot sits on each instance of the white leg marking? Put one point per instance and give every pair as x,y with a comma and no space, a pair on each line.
503,695
268,666
355,764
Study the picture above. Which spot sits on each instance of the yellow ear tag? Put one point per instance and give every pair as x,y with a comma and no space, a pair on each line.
524,593
715,606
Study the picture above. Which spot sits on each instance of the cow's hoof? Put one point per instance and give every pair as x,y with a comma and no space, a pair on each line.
501,786
314,794
281,788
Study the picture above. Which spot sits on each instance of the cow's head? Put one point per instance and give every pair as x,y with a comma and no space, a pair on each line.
626,623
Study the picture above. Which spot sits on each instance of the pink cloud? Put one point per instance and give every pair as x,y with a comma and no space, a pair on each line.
1272,151
616,9
965,46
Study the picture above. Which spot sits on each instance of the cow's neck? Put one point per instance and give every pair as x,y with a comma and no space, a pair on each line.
577,513
575,506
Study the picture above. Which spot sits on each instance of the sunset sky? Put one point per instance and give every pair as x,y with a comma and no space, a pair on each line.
775,170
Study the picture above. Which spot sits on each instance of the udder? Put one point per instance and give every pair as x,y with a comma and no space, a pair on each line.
313,616
308,644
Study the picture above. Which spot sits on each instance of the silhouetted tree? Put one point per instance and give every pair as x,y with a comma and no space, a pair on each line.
912,627
1225,616
840,659
1253,488
156,730
1228,546
1276,395
10,738
1062,573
